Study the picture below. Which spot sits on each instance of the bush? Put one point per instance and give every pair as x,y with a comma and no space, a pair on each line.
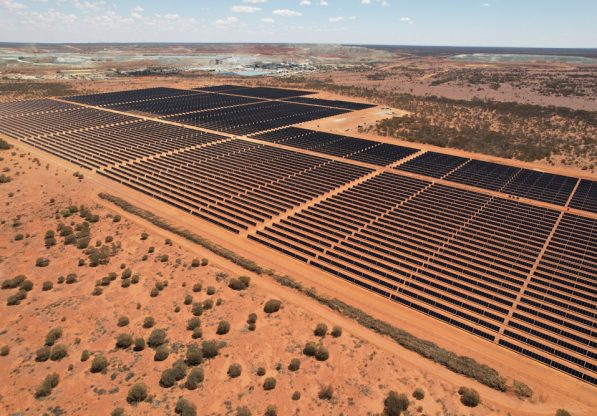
124,341
148,322
19,237
197,333
271,411
204,262
119,411
562,412
42,262
211,290
137,393
194,378
336,332
252,327
272,306
84,355
193,323
296,395
194,355
269,383
97,291
116,218
188,299
144,236
310,349
521,390
53,335
156,338
208,304
43,354
47,385
210,349
59,351
395,404
195,263
154,292
197,309
321,330
47,285
223,328
123,321
469,396
4,351
261,371
16,299
252,318
26,285
294,365
234,370
241,283
126,274
14,282
185,408
322,353
161,353
71,278
326,393
139,344
168,378
243,411
99,364
419,393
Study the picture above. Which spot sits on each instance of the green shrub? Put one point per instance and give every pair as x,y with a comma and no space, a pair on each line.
14,282
322,353
116,218
137,393
252,318
71,278
294,365
14,300
188,299
204,262
123,321
154,292
321,330
211,290
210,349
272,306
296,395
197,287
197,333
119,411
47,285
148,322
521,390
185,408
84,355
419,393
144,236
252,327
97,291
469,396
156,338
271,411
336,332
269,383
126,274
241,283
395,404
326,393
208,304
99,364
193,323
58,352
197,309
124,341
563,412
223,328
53,335
4,351
194,378
195,263
161,353
43,354
42,262
168,378
310,349
194,355
139,344
234,370
243,411
47,385
261,371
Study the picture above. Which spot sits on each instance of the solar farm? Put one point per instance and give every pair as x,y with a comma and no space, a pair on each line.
505,253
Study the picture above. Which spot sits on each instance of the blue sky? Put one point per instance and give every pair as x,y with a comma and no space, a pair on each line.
542,23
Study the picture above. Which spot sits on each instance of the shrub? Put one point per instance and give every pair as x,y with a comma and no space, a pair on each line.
419,393
326,392
195,263
195,377
47,285
116,218
294,365
84,355
148,322
144,236
19,237
161,353
252,318
336,332
47,385
123,321
124,341
241,283
154,292
562,412
210,349
156,338
188,299
469,396
204,262
168,378
296,395
14,282
211,290
269,383
185,408
272,306
126,274
310,349
321,330
197,309
119,411
53,335
194,355
243,411
197,333
208,304
322,353
139,344
197,287
395,404
521,390
71,278
137,393
193,323
223,328
43,354
59,351
252,327
42,262
99,364
4,351
16,299
271,411
234,370
97,291
261,371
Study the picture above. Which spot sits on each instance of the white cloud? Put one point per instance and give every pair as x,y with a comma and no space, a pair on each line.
244,9
305,3
267,20
486,5
341,18
255,1
138,9
286,13
407,20
229,21
12,5
323,3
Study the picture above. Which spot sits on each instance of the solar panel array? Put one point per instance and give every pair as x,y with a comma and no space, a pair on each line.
348,105
518,274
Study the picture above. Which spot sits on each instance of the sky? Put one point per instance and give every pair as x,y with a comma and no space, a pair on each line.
525,23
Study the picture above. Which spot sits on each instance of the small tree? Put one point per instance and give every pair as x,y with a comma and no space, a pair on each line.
161,353
59,351
271,411
156,338
53,335
47,385
124,341
123,321
168,378
193,323
210,349
294,365
419,393
310,349
99,364
137,393
148,322
269,383
326,392
139,344
395,404
321,330
43,354
322,353
194,378
223,328
336,332
469,396
185,408
272,306
194,355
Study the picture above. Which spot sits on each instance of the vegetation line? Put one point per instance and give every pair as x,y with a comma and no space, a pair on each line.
466,366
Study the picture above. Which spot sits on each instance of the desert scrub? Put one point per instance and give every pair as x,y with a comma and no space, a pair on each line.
241,283
52,336
194,355
223,328
395,404
161,353
193,323
156,338
269,383
336,332
99,364
326,393
321,330
123,321
148,322
272,306
521,390
419,393
47,385
185,408
137,393
4,351
124,341
469,396
58,352
294,365
210,349
195,377
234,370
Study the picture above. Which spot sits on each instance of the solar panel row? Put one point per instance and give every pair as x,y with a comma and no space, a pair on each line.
348,105
32,107
111,98
585,197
